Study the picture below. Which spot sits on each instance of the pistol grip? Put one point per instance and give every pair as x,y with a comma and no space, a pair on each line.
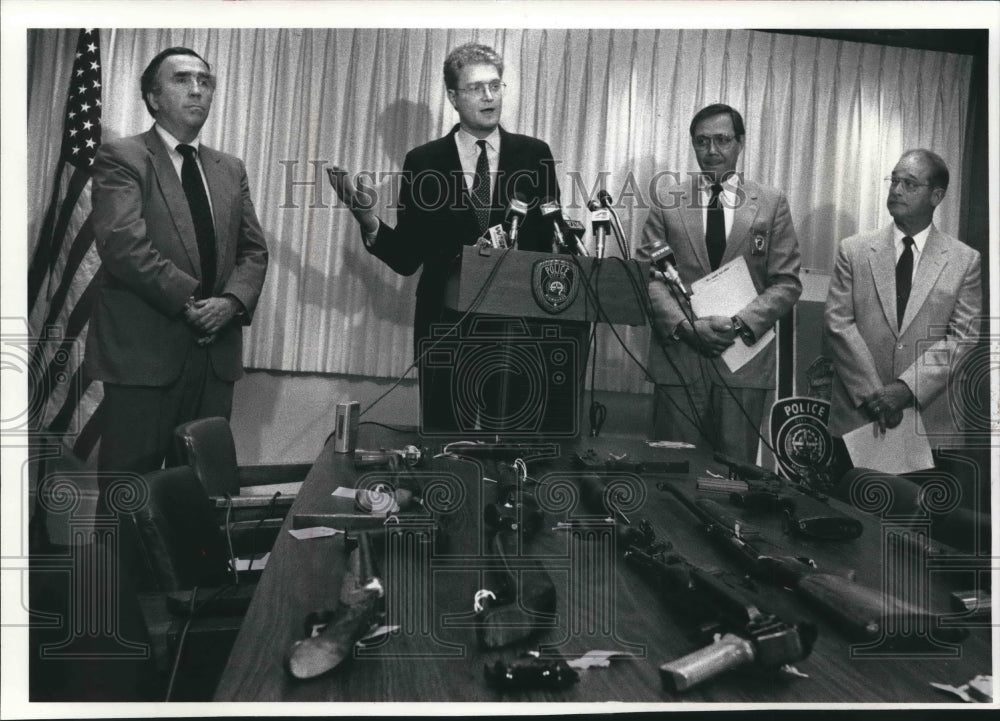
728,652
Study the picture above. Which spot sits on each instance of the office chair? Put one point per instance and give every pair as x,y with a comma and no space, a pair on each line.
196,611
255,499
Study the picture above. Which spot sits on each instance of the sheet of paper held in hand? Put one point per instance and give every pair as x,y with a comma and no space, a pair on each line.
726,292
902,449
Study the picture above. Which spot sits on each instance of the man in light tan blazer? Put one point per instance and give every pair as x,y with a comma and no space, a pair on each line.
895,347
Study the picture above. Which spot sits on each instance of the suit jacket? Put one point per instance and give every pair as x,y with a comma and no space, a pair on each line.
763,213
150,262
436,218
940,323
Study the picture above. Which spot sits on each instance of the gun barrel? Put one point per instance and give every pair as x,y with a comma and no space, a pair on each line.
728,652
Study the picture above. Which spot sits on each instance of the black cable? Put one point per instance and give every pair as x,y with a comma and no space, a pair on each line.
229,540
472,307
642,296
598,411
394,429
180,644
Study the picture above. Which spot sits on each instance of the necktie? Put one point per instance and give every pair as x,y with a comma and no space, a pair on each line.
481,189
904,278
201,214
715,229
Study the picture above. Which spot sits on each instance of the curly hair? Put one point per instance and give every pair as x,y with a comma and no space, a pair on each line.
469,54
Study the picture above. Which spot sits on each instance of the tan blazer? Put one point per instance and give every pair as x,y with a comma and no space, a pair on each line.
869,351
762,216
150,263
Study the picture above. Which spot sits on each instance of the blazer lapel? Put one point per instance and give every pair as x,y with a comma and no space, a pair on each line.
932,261
173,196
221,200
691,217
883,264
743,217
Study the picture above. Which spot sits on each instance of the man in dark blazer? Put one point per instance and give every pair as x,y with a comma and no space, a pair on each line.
896,326
709,221
444,205
183,262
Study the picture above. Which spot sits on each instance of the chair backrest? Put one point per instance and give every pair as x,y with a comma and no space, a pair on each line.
179,537
207,446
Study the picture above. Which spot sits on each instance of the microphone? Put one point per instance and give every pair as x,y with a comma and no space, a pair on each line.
576,230
600,220
606,202
662,257
516,212
550,210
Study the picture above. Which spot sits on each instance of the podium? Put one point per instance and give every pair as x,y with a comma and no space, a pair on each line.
514,365
493,281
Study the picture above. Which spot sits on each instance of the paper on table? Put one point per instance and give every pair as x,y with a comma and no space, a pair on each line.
902,449
726,292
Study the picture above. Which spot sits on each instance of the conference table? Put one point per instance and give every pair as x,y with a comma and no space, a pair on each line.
603,604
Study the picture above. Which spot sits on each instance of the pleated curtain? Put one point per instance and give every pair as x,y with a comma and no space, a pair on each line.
826,120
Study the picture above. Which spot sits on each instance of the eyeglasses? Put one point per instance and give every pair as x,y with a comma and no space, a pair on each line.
908,185
722,142
496,87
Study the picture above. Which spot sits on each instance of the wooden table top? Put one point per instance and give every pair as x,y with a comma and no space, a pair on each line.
602,604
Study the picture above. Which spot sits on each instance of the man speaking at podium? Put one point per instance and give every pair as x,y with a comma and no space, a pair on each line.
453,190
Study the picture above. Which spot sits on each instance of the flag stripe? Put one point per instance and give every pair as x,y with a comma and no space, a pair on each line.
81,244
63,276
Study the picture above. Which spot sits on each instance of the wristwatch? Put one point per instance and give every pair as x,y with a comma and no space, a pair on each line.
742,331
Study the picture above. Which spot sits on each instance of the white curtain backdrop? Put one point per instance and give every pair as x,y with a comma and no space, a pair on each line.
826,120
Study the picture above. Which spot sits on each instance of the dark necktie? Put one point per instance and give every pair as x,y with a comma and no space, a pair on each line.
201,214
715,229
481,189
904,278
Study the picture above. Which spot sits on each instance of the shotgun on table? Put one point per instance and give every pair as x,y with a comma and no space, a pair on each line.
744,634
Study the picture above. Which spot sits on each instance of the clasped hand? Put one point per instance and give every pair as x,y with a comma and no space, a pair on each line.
210,315
711,335
885,406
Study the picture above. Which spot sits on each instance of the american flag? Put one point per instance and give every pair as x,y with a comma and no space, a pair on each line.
61,288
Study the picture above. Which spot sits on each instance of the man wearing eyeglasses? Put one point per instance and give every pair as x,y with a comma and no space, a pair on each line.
894,292
454,189
714,219
183,263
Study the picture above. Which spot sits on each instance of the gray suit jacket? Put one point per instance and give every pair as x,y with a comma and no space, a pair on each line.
763,213
150,262
869,351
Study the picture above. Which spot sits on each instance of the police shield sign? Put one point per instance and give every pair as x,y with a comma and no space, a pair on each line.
800,435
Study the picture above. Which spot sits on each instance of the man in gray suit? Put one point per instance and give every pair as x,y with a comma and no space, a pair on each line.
708,222
904,303
183,262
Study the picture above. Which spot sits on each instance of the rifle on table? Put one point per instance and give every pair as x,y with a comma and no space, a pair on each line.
519,598
752,636
805,510
361,595
856,610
